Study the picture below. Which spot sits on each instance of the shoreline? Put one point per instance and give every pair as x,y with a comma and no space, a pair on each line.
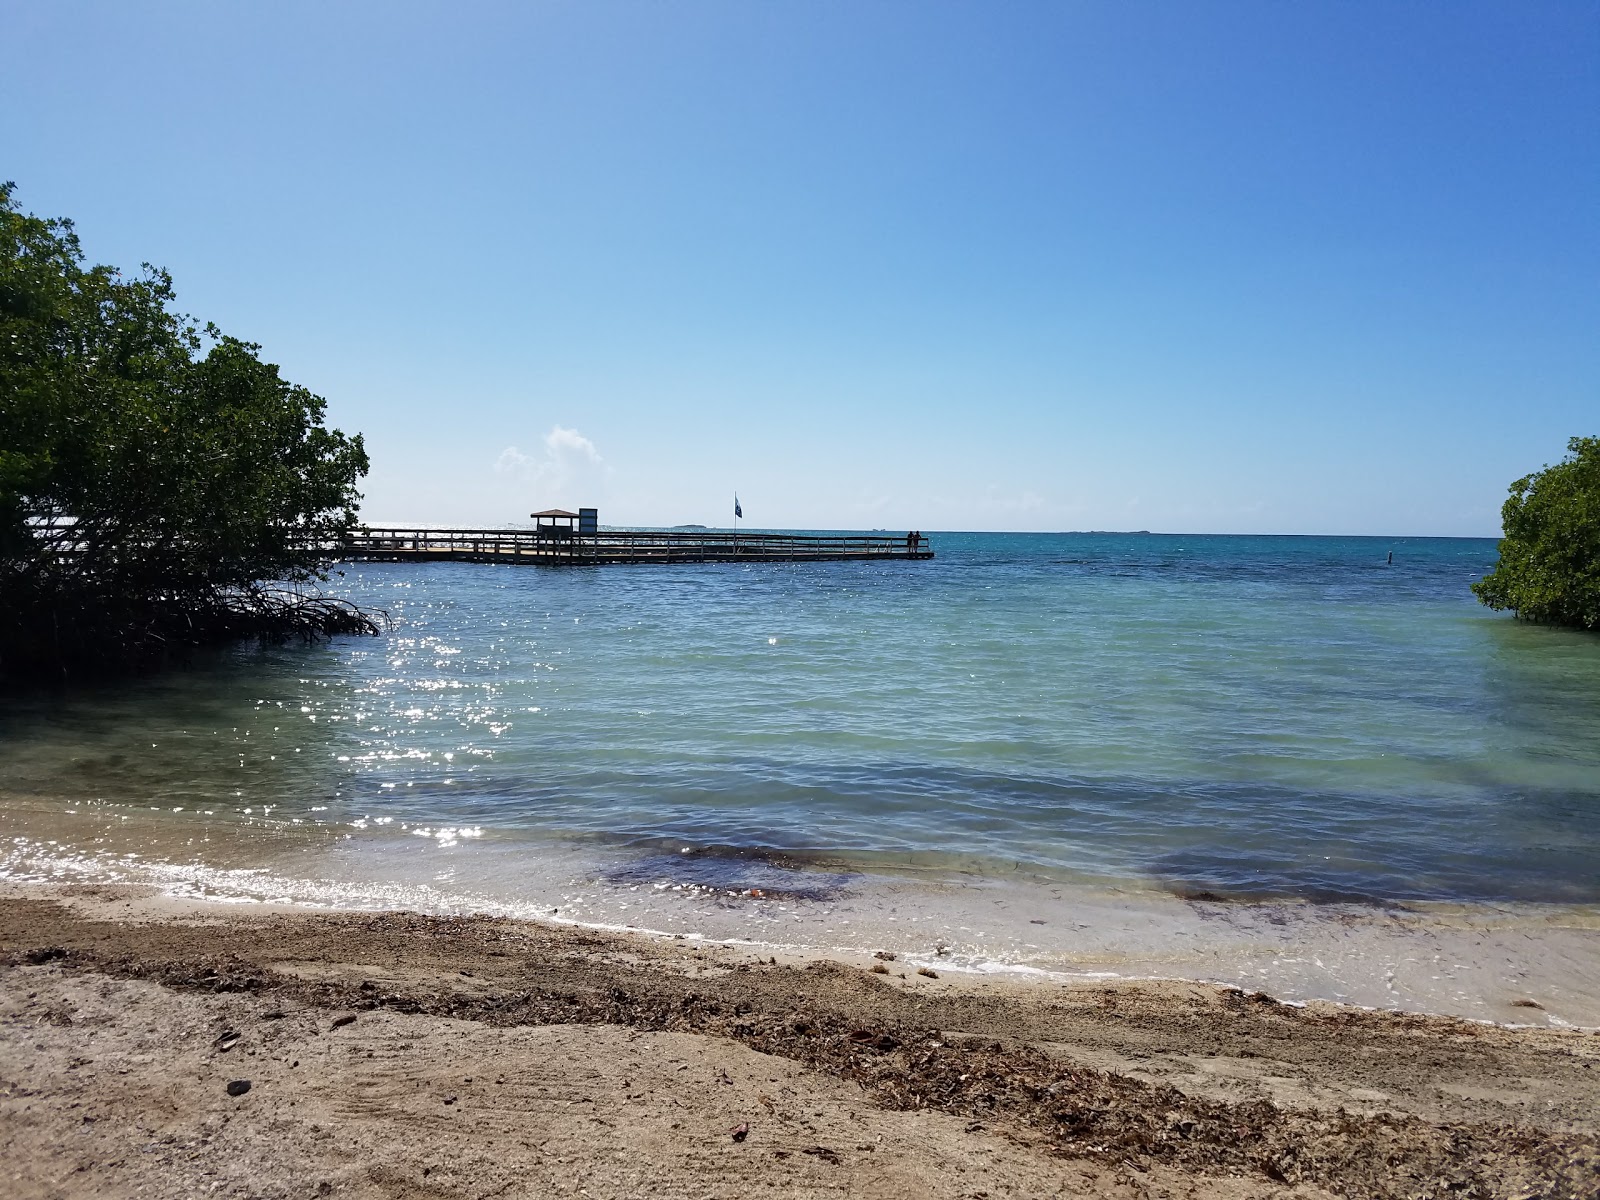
1501,963
844,1077
145,903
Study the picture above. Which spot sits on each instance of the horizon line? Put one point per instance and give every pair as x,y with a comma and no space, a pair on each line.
1457,537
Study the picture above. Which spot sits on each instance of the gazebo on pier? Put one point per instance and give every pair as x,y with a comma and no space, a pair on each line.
554,525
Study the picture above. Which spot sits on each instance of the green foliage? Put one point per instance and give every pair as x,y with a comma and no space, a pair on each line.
1549,568
158,483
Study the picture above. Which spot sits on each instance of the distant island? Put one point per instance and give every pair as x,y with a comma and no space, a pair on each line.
691,527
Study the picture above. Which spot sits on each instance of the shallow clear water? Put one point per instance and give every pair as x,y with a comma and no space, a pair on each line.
1288,718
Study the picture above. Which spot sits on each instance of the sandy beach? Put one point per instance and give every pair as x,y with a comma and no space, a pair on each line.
720,600
404,1055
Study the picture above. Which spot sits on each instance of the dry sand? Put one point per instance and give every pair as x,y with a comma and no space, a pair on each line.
402,1055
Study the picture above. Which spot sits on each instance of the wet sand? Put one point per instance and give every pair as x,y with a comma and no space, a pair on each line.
495,1057
1479,961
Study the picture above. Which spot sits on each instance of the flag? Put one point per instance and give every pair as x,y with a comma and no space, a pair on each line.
737,511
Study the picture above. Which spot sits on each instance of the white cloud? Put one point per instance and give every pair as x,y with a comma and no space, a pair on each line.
569,443
569,471
512,462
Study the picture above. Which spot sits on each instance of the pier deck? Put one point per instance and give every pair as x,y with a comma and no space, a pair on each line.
534,548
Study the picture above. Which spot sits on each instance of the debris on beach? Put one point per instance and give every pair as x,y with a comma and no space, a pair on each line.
740,1131
892,1048
226,1040
340,1022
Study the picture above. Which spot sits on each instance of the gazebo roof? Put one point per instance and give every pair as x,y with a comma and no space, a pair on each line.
554,512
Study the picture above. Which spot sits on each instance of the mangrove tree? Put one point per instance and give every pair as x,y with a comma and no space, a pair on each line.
1549,568
161,486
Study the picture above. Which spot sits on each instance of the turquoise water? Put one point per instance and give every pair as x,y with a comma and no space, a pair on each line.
1251,717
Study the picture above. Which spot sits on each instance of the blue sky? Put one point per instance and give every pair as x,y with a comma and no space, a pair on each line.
1215,267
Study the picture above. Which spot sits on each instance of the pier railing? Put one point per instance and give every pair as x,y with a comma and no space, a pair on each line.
623,546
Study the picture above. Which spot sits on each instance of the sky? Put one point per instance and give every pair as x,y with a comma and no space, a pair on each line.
1221,267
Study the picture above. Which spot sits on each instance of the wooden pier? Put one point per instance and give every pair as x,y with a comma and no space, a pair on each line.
544,546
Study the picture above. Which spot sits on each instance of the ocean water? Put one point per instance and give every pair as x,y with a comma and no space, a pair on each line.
1180,723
